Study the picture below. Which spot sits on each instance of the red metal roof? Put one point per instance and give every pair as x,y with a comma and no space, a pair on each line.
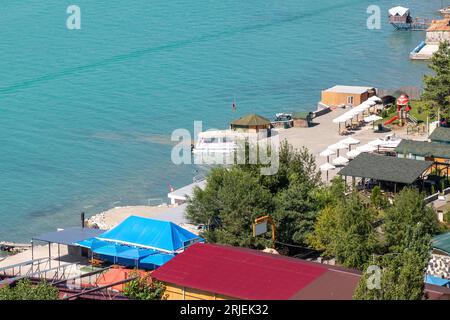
241,273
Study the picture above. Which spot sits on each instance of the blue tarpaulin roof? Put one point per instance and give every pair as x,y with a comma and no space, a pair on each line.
157,259
121,251
151,234
437,281
68,236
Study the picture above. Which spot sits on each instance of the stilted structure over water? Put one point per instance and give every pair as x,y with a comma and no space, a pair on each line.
400,18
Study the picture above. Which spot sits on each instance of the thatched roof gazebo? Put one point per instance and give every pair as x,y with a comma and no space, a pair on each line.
251,123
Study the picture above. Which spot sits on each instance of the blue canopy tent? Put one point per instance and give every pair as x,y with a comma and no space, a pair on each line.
150,234
146,242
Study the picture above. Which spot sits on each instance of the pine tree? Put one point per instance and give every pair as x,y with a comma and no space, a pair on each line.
437,86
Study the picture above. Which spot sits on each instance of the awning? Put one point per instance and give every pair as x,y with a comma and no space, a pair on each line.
157,259
68,236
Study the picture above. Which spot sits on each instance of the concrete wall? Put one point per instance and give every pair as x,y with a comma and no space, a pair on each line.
435,37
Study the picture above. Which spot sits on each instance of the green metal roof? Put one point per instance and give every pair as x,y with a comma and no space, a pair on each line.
442,242
384,168
440,134
424,148
251,120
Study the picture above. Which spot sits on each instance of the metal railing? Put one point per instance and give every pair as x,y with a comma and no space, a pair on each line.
431,198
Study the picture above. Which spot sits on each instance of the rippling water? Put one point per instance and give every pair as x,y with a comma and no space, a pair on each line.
86,115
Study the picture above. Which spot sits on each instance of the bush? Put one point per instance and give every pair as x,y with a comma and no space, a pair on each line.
377,199
26,290
447,217
144,288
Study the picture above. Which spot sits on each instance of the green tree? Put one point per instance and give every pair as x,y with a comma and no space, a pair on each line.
144,288
408,210
377,199
234,198
230,203
26,290
345,231
402,273
437,87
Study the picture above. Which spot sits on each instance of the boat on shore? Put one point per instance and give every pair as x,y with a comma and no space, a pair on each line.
445,11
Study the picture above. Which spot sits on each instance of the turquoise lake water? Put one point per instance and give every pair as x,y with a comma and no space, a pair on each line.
86,115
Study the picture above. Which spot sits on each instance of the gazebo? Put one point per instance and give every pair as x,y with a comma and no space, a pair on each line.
387,171
252,123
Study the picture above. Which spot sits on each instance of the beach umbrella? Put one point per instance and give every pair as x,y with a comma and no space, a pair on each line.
372,118
349,141
366,148
353,154
376,99
370,102
327,167
327,153
376,143
340,161
337,146
342,119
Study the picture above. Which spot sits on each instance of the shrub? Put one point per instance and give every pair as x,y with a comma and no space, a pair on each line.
26,290
447,217
144,288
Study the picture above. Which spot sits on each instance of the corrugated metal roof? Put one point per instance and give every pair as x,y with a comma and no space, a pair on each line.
384,168
250,274
68,236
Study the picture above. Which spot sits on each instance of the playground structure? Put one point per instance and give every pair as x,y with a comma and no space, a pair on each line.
403,109
400,18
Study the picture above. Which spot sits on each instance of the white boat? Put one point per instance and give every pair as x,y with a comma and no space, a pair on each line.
219,141
445,11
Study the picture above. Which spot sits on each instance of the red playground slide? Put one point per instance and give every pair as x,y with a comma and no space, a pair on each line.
391,120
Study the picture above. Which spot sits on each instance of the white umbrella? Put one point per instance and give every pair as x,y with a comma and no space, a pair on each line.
353,112
366,148
370,102
337,146
349,141
326,167
327,153
376,143
342,118
376,99
340,161
372,118
353,154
